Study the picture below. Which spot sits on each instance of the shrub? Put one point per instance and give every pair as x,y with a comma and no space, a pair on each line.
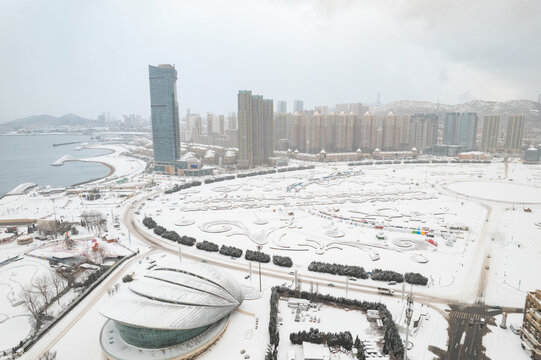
387,275
230,251
207,246
159,230
416,279
284,261
257,256
149,222
186,240
171,235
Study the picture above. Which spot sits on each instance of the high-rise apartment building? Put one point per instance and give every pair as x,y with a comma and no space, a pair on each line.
164,112
460,129
255,118
390,133
281,107
515,131
221,125
210,124
323,110
367,132
358,108
341,108
298,106
423,131
231,121
489,137
530,334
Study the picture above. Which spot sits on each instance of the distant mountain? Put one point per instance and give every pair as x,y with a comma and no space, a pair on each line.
529,108
45,122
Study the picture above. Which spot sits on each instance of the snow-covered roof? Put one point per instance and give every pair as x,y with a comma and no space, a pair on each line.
174,298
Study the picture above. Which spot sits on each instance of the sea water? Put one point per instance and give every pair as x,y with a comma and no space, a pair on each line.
28,158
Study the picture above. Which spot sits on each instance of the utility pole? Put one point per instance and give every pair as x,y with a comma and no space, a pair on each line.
259,247
347,286
180,253
54,211
409,314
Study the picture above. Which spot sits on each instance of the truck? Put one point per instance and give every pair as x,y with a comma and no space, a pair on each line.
385,291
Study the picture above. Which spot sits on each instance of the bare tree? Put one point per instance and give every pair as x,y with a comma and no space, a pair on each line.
32,303
58,283
46,227
68,274
41,286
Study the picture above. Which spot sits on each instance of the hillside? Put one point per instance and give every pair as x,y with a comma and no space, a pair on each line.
45,122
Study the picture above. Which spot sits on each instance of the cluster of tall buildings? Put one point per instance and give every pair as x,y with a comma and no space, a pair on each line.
257,131
461,129
315,131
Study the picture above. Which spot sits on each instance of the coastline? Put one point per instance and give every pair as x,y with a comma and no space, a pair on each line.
112,170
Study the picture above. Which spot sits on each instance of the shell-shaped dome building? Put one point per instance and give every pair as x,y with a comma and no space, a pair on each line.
169,313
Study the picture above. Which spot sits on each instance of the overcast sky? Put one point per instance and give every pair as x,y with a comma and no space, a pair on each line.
87,57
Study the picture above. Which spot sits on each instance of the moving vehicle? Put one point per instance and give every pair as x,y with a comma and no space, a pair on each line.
385,291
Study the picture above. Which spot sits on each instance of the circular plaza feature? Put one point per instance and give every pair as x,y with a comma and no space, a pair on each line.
498,191
170,313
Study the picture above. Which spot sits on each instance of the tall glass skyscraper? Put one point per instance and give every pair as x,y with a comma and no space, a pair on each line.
460,129
165,119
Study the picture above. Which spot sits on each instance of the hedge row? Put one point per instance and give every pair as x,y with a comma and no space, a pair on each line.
338,269
392,343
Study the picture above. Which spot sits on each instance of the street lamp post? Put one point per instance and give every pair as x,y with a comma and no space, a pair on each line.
259,247
409,314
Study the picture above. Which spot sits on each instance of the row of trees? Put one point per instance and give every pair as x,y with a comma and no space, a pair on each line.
284,261
359,272
387,275
340,339
392,342
179,187
338,269
416,278
230,251
167,234
259,256
207,246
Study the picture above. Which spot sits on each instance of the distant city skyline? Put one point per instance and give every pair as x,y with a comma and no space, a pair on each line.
85,59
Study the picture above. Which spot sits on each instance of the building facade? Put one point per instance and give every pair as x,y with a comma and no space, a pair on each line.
530,335
423,131
514,133
489,137
460,129
255,121
164,112
298,106
281,107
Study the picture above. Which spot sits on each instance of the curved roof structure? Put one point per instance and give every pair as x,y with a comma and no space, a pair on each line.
175,298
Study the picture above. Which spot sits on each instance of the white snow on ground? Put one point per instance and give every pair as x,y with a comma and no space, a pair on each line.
255,210
502,344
